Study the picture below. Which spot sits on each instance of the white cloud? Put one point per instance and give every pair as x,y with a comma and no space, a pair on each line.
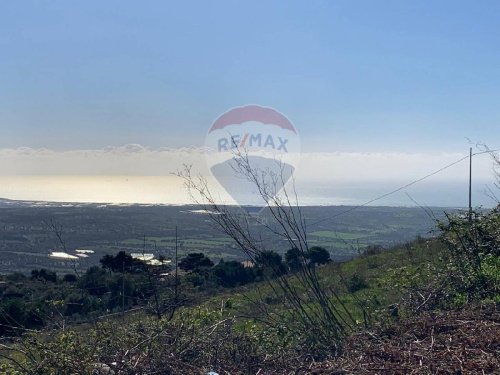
132,159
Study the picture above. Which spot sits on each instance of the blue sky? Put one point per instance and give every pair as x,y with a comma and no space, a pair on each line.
385,76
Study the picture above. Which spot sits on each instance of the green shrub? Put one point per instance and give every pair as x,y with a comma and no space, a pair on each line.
474,246
356,282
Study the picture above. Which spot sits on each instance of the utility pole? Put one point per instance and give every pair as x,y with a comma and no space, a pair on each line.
176,263
123,287
470,184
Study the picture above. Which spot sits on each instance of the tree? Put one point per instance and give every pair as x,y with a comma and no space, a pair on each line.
122,262
232,273
293,259
12,315
195,262
318,255
270,263
16,277
70,278
44,274
94,281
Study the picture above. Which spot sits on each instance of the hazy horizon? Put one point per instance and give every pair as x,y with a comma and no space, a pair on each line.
139,174
380,94
170,190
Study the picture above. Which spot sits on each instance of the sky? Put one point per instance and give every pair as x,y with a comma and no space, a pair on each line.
359,79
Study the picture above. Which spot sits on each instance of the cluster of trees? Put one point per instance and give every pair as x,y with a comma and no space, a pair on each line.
123,282
267,264
32,301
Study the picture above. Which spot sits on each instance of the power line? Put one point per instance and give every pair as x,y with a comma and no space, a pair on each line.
403,187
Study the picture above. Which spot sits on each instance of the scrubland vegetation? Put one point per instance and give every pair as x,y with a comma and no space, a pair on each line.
429,306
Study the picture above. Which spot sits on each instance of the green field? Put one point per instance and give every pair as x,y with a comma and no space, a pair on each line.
338,235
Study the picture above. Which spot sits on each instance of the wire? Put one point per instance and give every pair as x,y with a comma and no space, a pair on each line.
401,188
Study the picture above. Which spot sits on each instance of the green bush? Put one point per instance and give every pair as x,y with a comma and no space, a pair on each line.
474,246
356,282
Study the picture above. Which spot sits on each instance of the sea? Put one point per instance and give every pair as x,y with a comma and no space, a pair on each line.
171,190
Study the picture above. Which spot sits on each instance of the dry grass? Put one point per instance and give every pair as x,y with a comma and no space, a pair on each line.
454,342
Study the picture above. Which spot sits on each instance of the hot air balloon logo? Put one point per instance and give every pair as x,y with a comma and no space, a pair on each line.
266,140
